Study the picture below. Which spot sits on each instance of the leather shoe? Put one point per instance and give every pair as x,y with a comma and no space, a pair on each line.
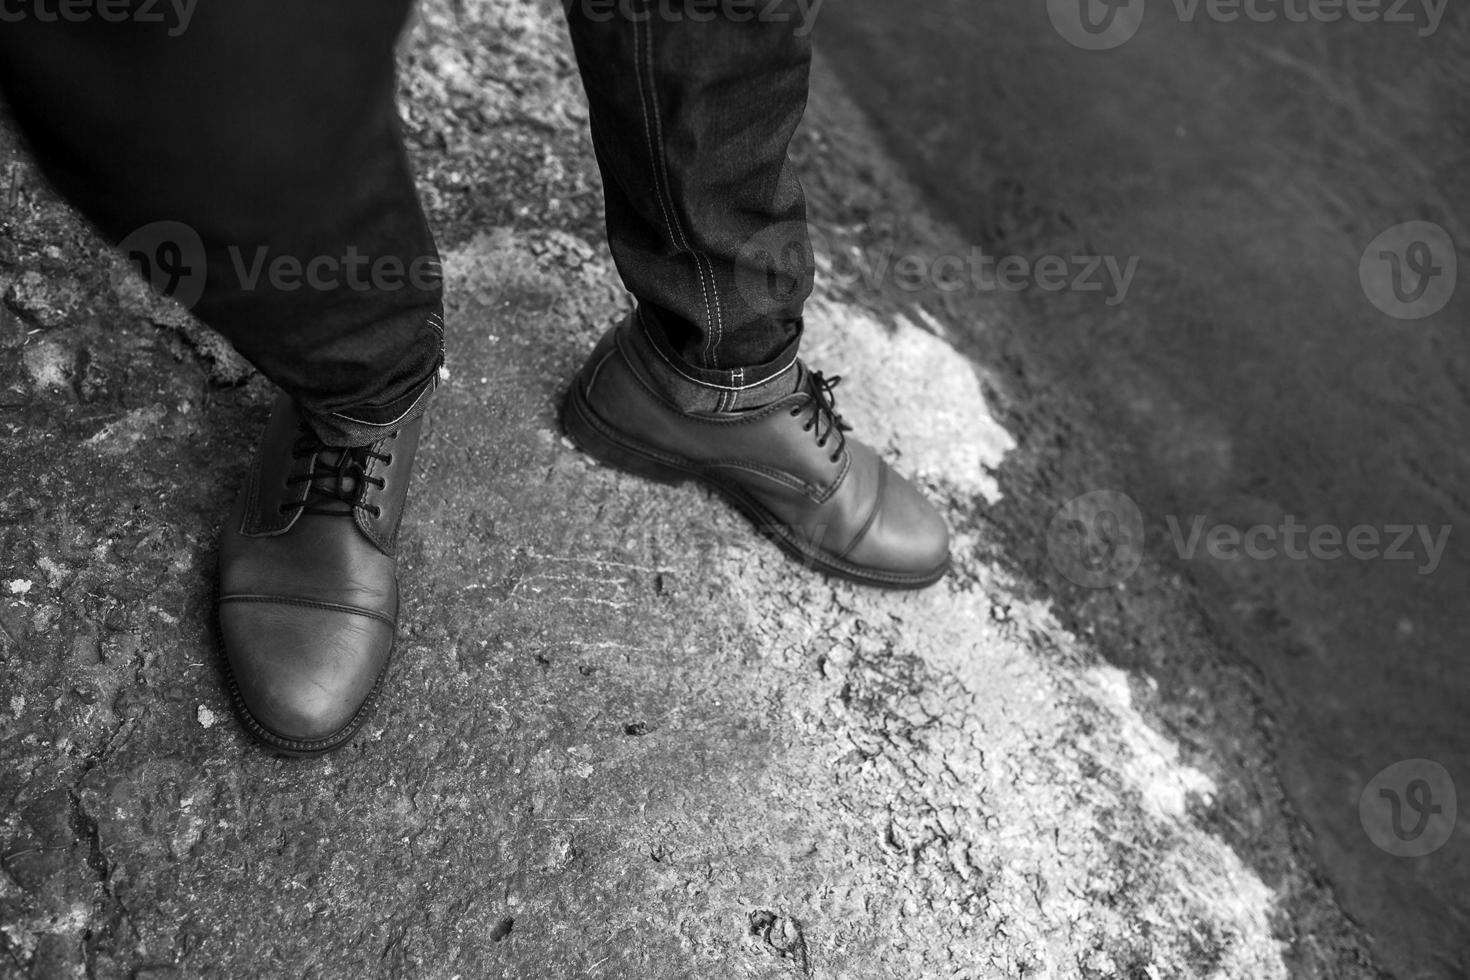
308,598
825,499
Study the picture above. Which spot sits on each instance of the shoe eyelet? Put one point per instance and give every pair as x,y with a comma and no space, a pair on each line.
835,457
375,511
388,461
795,412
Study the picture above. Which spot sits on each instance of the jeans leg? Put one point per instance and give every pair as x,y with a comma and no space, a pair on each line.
254,155
693,110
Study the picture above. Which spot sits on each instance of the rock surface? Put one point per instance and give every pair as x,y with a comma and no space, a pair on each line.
622,735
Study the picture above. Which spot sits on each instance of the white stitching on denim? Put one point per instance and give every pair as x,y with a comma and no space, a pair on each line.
436,321
714,320
648,130
388,425
643,324
701,261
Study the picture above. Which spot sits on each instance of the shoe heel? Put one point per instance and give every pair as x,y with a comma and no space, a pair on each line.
586,435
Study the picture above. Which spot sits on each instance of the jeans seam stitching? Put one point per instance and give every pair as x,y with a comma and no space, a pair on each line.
714,319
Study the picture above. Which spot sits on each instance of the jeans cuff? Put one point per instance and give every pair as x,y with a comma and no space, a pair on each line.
724,379
365,425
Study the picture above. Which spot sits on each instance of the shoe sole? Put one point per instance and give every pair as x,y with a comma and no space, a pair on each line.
295,748
605,444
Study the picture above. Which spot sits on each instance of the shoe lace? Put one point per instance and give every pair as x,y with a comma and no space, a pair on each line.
824,418
338,478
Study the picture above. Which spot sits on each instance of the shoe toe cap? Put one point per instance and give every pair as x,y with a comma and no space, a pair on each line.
907,535
302,674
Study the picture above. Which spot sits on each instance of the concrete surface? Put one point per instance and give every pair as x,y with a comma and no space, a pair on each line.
622,736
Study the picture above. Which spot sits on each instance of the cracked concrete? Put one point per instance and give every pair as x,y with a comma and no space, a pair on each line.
622,736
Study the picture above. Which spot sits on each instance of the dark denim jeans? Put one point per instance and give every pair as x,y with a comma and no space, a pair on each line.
251,162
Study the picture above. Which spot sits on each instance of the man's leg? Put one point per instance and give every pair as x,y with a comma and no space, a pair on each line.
693,108
269,131
692,115
265,137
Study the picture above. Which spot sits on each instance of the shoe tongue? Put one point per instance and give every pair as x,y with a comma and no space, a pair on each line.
340,483
801,373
